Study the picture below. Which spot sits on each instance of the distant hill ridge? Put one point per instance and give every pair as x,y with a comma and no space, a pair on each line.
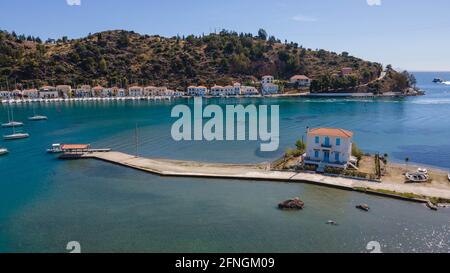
122,58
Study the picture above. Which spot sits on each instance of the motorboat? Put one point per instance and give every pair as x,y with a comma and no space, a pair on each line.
421,170
417,177
448,177
3,151
55,149
437,80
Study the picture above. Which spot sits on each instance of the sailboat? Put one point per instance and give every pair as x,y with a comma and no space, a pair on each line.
37,117
15,135
11,122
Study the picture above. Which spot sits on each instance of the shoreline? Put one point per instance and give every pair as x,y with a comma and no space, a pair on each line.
169,98
262,172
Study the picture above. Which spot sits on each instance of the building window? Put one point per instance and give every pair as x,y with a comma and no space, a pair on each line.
317,140
316,154
337,157
338,142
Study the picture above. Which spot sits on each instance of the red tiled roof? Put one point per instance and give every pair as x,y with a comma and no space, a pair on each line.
331,132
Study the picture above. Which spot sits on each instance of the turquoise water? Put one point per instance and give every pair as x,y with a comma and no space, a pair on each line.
45,203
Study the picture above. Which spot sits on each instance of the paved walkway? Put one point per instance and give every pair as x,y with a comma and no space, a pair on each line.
166,167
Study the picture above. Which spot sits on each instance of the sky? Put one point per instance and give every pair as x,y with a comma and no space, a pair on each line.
409,34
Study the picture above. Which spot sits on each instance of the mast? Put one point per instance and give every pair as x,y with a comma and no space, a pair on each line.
136,140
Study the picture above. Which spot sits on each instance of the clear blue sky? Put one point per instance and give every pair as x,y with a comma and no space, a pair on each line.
409,34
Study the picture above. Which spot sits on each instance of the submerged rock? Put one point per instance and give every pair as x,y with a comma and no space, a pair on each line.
292,204
363,207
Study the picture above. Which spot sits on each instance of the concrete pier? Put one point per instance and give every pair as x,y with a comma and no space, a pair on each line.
165,167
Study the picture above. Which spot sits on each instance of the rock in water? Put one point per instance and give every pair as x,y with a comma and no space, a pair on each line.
292,204
363,207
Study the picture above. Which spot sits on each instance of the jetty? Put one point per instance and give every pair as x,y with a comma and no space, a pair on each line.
262,172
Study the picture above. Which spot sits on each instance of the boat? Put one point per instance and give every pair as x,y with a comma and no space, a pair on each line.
55,149
332,222
363,207
416,177
423,171
3,151
37,117
437,80
448,177
11,122
15,136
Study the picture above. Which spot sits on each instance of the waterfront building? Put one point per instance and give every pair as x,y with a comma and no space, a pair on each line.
5,94
97,91
197,91
217,90
30,93
248,91
109,92
121,92
268,85
84,91
48,92
135,91
16,93
64,91
329,147
150,91
300,81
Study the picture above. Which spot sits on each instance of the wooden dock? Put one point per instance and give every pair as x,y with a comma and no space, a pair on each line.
165,167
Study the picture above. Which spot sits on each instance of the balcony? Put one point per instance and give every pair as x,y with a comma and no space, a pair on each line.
327,146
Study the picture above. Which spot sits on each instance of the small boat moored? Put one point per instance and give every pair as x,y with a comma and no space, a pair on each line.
431,206
55,149
418,177
3,151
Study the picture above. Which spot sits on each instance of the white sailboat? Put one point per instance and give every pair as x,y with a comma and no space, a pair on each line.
37,117
11,122
15,135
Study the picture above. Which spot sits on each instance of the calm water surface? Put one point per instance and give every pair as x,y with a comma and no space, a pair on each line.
45,203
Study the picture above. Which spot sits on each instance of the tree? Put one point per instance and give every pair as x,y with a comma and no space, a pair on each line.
301,146
262,34
102,66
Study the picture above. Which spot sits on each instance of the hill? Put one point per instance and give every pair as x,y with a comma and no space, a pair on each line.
122,58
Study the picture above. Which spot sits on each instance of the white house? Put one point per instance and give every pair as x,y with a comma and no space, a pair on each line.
48,92
217,90
135,91
267,79
150,91
64,91
121,92
30,93
300,81
16,93
5,94
268,86
197,91
329,147
83,92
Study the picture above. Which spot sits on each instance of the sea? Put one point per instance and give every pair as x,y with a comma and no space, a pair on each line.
45,203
